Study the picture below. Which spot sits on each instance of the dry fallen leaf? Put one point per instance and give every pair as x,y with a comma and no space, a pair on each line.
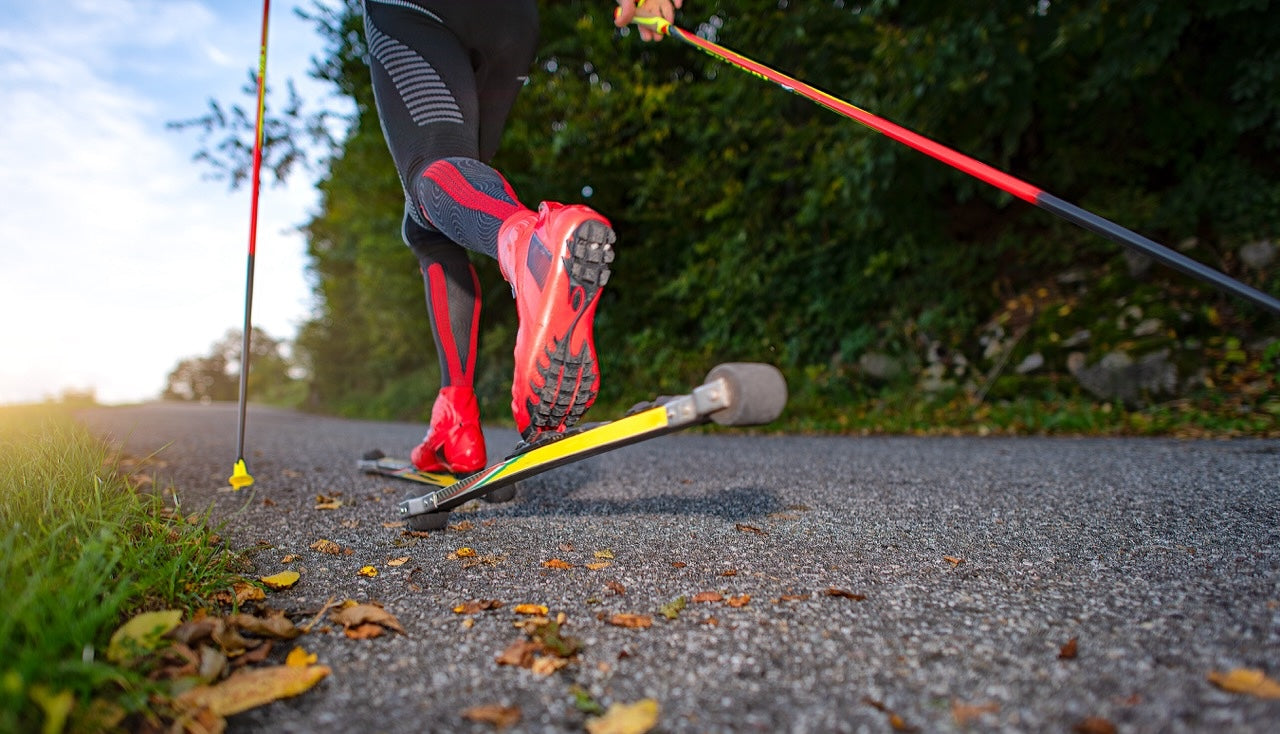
739,601
1246,680
290,558
351,614
625,718
1069,650
273,625
965,714
327,503
953,560
678,564
632,621
833,591
327,546
475,606
707,597
547,664
368,571
366,631
557,563
282,580
460,527
750,529
793,597
397,562
672,609
141,634
1094,725
615,587
519,653
538,609
497,715
300,658
395,524
597,565
253,687
606,553
730,572
463,552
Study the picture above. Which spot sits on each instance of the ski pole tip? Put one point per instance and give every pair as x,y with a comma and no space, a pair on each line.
240,476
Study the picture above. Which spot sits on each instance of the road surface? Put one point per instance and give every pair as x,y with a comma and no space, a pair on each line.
928,584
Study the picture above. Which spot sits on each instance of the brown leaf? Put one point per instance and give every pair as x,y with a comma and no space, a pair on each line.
353,615
397,562
707,597
615,587
461,527
739,601
519,653
394,524
327,503
366,631
631,621
1068,651
833,591
1246,680
254,656
597,565
290,558
476,606
327,546
965,714
678,564
556,563
953,560
547,664
499,716
730,572
749,529
711,622
273,625
625,718
253,687
1094,725
793,597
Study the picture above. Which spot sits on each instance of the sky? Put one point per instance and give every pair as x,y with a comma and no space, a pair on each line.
119,256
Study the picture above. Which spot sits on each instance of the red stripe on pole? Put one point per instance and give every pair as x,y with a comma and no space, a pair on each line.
953,158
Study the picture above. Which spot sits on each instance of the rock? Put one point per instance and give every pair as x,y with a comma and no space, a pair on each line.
1030,363
1258,255
879,366
1080,337
1137,263
1148,327
1117,376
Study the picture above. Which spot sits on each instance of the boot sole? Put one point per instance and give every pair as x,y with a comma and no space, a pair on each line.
570,381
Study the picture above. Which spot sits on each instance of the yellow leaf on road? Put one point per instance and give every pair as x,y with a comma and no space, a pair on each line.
282,580
368,571
300,658
250,688
538,609
1246,680
626,718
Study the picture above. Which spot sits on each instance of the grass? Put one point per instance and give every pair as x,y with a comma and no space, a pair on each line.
81,550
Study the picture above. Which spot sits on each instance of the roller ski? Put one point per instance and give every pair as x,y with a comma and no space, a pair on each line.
733,394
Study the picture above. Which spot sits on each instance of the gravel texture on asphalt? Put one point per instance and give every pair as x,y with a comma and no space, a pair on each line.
969,563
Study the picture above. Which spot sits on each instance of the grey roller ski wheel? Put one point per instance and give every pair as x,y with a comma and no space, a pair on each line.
757,393
502,495
428,521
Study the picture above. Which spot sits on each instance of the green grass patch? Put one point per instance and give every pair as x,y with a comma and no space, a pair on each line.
81,549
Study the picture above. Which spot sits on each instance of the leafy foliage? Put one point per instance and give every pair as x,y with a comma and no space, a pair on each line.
755,225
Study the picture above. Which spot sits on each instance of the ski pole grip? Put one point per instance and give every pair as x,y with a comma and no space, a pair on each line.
655,23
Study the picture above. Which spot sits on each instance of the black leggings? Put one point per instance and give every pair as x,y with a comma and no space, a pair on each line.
445,75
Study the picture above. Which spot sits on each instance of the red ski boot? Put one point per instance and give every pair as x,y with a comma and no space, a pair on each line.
454,443
556,260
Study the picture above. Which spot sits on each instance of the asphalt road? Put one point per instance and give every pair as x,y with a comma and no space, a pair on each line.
969,565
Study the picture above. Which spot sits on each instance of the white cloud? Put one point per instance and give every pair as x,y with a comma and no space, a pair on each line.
116,259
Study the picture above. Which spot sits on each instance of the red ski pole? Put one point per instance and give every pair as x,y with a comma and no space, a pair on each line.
240,477
977,169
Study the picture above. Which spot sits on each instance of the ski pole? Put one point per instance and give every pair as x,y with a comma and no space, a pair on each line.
1003,181
240,477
